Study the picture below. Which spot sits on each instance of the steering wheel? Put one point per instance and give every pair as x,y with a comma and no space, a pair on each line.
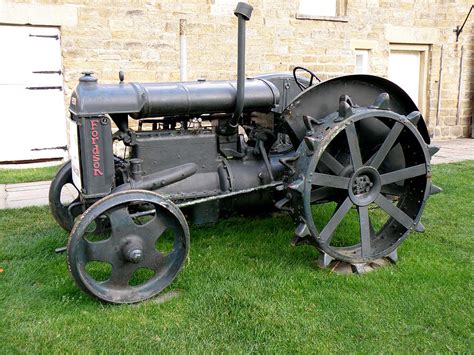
299,83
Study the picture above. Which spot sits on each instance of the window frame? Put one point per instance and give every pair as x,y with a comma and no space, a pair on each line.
341,8
424,51
224,7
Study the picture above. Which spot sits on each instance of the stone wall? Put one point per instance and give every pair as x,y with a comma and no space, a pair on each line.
141,37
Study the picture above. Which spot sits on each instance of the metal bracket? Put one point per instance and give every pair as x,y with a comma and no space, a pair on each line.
56,37
458,28
59,72
44,88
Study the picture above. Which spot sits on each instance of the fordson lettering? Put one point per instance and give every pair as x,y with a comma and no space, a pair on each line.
96,160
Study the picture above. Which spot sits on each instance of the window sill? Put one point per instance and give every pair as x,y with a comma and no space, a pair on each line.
322,18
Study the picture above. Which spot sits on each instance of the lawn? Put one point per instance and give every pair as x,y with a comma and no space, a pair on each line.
15,176
245,289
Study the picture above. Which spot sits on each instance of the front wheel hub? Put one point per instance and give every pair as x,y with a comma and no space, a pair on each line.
133,252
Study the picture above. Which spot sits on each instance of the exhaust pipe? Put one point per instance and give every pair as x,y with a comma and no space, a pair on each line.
156,180
243,11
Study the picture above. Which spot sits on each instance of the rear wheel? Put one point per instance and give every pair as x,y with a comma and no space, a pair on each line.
347,179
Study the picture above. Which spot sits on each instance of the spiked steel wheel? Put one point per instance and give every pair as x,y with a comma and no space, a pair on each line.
131,262
339,162
64,212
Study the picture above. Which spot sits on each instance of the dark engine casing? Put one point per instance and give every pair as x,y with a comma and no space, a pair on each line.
215,174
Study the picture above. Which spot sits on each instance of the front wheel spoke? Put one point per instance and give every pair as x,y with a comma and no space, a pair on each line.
98,251
354,147
120,221
153,229
366,231
71,183
75,208
403,174
332,163
400,216
154,260
335,220
386,145
339,182
121,274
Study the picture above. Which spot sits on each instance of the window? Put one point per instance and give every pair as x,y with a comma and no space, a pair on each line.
362,61
321,9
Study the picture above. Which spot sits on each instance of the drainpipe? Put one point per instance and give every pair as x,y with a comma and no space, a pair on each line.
458,112
183,51
439,89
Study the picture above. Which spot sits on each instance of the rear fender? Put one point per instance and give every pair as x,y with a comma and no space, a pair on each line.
322,99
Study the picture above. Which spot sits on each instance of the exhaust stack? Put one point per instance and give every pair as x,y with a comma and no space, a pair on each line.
243,11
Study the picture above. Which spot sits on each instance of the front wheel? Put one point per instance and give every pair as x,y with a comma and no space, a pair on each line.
64,208
138,256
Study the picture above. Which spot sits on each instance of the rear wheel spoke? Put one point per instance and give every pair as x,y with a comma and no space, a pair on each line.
335,220
366,231
400,216
339,182
403,174
387,145
393,189
332,163
321,193
354,147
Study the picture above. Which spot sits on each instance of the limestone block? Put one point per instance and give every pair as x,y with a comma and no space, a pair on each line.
38,14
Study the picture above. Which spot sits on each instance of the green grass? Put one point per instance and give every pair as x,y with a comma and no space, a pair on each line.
15,176
244,289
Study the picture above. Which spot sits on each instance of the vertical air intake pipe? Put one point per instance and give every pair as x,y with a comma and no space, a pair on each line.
243,12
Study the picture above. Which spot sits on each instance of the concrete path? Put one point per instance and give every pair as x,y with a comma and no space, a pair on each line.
31,194
454,150
36,193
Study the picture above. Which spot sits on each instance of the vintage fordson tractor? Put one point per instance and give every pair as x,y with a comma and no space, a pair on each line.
208,149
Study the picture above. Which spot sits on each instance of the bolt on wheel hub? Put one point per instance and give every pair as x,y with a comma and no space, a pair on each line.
133,251
364,186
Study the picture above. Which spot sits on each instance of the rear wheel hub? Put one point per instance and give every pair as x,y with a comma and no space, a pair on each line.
364,186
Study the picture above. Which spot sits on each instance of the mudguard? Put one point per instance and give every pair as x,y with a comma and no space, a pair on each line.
322,99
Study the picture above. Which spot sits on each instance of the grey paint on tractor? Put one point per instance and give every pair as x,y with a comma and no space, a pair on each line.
270,143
